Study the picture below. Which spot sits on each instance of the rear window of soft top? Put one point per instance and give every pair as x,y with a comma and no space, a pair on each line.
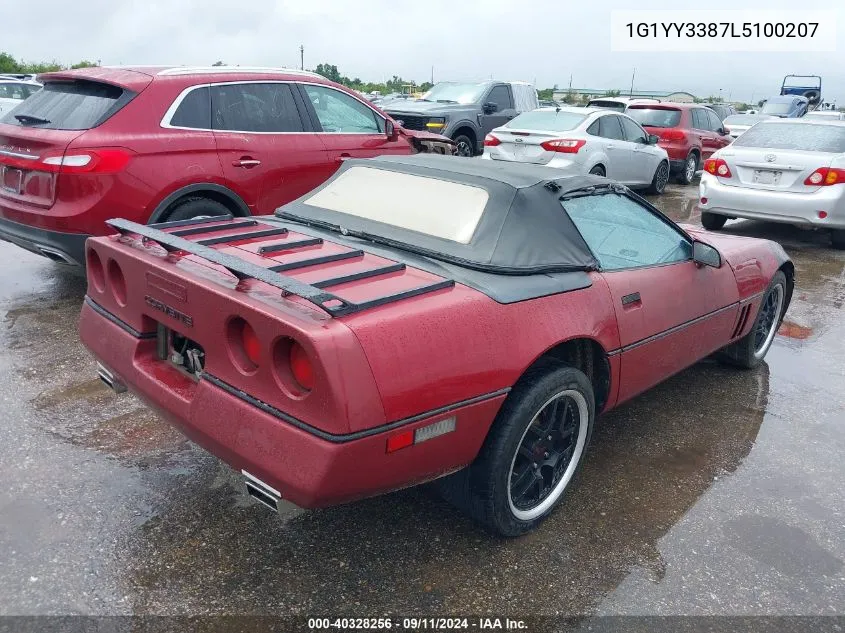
69,105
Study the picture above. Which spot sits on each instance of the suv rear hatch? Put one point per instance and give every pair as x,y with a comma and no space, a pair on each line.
658,119
34,137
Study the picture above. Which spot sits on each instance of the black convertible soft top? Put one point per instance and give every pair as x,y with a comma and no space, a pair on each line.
523,229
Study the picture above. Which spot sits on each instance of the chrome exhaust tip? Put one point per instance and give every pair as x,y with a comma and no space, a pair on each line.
110,380
261,492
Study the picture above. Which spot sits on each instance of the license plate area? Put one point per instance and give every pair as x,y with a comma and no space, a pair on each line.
11,179
180,352
766,176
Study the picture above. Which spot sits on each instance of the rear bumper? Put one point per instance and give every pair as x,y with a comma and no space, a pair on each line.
309,467
67,248
774,206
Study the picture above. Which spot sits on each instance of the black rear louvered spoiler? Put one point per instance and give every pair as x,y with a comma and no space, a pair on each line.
328,302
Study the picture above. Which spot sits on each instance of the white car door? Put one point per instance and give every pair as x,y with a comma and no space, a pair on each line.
616,147
643,157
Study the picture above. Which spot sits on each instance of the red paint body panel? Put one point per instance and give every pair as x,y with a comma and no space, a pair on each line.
407,363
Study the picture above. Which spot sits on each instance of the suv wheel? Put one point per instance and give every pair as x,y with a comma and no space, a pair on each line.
195,208
464,146
690,167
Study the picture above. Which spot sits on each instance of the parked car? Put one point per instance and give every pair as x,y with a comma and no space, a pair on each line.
296,376
722,110
14,91
579,141
167,144
736,124
782,170
547,103
688,132
825,115
787,106
465,112
620,104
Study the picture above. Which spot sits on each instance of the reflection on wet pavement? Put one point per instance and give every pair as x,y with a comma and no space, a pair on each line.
719,491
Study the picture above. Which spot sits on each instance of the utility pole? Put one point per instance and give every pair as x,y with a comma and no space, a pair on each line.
570,83
432,75
634,74
302,57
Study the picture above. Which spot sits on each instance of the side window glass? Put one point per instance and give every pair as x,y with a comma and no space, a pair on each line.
194,111
611,128
594,130
715,121
633,132
624,234
255,107
340,113
501,96
699,119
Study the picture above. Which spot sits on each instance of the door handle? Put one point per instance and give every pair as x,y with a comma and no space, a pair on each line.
634,297
247,162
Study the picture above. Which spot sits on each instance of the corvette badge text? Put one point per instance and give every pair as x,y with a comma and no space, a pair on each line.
155,304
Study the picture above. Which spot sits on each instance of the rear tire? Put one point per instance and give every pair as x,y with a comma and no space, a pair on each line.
837,238
535,447
712,221
690,167
598,170
751,349
194,208
660,179
464,146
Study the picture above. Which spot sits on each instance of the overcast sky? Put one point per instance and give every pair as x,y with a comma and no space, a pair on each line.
534,40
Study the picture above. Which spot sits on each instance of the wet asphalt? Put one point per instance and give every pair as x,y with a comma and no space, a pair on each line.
718,492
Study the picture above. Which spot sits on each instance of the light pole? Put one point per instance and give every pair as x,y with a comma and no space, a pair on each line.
302,57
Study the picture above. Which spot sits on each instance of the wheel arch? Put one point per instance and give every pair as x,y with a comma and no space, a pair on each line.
788,269
212,191
585,354
466,128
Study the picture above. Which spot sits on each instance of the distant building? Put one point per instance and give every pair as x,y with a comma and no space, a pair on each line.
585,94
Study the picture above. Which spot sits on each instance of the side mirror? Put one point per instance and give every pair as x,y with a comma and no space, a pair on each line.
705,255
490,107
724,131
390,129
653,139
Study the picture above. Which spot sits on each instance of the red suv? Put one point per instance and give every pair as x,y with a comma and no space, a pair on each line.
166,144
688,132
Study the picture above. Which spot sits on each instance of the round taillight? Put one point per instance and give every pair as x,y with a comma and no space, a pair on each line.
722,169
301,367
117,282
816,178
244,345
822,215
96,274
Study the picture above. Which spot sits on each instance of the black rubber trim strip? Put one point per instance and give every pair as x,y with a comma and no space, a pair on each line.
677,328
96,307
286,246
325,259
191,222
346,437
195,230
223,239
364,274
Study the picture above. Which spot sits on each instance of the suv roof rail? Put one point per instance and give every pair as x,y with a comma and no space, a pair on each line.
205,70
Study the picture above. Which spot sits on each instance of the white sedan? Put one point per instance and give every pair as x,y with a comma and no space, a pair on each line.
13,92
583,141
783,170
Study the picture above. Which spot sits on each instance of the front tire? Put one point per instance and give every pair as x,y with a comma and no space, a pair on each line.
532,453
464,146
749,351
660,179
690,167
712,221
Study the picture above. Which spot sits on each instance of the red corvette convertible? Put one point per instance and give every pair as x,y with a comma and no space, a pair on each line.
422,317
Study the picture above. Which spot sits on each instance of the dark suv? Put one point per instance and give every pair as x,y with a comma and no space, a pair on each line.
166,144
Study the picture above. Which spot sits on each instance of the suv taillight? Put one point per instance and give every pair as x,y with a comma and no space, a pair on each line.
717,167
563,145
78,161
825,176
673,135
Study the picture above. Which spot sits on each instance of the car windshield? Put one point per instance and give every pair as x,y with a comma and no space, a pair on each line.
744,119
607,105
455,93
546,120
777,108
439,208
809,137
655,117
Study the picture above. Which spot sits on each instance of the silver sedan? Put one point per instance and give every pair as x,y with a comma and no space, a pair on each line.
583,141
783,170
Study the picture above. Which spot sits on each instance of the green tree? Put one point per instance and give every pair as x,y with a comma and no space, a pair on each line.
219,63
8,64
612,93
547,94
84,64
329,71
